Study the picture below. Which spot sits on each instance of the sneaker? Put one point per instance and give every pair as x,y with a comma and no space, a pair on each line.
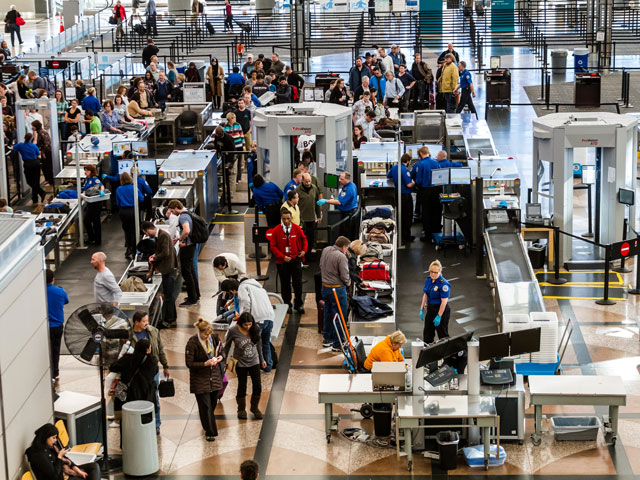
336,349
300,310
157,430
187,303
326,344
210,438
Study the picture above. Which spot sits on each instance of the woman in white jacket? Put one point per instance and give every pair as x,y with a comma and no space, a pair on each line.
253,298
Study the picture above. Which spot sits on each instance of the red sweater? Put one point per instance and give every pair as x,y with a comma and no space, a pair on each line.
297,242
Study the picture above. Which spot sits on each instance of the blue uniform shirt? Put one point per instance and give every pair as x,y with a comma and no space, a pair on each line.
465,79
348,197
124,195
292,185
267,194
406,178
56,300
29,150
449,164
422,171
143,186
235,79
91,182
437,290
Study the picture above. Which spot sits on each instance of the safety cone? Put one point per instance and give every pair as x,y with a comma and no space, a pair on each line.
61,24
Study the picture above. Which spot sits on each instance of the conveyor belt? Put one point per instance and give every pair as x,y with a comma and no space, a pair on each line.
511,262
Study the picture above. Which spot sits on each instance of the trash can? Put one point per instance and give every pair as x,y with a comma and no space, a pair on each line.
559,61
537,253
139,442
448,449
576,428
382,419
581,59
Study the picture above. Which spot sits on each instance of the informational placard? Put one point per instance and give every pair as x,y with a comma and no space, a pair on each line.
399,6
502,16
194,92
341,5
308,94
382,6
69,93
624,249
318,94
328,6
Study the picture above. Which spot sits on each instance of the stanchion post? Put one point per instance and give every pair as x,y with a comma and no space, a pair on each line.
607,259
556,280
589,234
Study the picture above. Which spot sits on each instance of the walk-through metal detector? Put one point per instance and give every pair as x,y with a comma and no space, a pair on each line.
330,123
613,137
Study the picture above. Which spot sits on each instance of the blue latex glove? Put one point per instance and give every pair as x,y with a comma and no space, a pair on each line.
422,314
436,321
503,204
102,193
104,175
251,185
322,201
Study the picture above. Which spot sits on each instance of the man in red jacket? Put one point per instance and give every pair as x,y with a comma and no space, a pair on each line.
289,245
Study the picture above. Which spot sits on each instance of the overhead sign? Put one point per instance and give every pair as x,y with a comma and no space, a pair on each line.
625,249
57,64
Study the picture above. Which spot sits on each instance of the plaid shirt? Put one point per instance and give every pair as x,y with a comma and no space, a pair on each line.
61,107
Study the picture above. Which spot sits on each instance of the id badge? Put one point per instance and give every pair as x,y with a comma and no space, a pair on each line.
286,250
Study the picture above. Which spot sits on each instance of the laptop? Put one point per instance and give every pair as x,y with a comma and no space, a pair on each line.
534,213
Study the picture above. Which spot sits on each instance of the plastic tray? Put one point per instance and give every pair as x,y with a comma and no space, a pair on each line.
474,456
576,428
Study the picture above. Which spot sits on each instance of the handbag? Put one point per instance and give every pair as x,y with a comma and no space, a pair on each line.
113,20
20,21
231,364
166,388
225,382
121,389
375,271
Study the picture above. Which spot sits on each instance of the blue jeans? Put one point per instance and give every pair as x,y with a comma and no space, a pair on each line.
330,310
157,380
451,102
265,334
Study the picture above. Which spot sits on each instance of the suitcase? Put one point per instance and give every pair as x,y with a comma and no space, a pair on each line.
139,29
479,9
210,29
320,304
274,356
244,26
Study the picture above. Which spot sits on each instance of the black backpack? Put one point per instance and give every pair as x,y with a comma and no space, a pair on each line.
200,231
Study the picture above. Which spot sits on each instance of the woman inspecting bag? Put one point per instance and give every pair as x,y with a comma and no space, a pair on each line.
203,357
436,296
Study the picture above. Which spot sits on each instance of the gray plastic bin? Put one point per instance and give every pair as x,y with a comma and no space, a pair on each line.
576,428
139,442
559,61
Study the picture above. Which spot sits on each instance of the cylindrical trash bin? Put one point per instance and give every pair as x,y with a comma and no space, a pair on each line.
559,61
139,443
382,419
537,253
448,449
581,59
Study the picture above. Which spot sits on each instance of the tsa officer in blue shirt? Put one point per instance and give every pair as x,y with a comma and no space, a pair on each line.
429,195
406,198
444,163
466,89
125,202
268,197
346,203
57,298
436,296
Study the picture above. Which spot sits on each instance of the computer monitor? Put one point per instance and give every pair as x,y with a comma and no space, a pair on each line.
443,349
626,197
119,148
534,210
460,176
331,180
440,177
525,341
148,167
494,346
124,166
140,148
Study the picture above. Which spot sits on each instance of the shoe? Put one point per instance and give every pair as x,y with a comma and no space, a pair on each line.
326,344
157,430
210,438
336,349
255,400
300,310
242,405
187,303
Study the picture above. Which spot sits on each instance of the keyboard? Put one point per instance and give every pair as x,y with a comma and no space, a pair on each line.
499,376
441,376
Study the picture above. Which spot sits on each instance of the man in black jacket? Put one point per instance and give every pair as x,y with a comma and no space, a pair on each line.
284,91
424,82
148,52
449,50
293,78
223,142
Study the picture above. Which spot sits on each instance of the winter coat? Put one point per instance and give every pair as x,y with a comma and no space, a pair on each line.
202,379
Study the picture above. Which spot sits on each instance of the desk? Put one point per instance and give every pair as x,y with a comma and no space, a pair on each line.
70,406
349,388
577,390
412,409
546,231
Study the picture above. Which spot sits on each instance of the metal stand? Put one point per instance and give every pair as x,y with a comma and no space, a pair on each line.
589,234
606,300
81,244
556,280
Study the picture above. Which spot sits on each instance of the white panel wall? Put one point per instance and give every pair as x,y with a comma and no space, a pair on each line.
24,357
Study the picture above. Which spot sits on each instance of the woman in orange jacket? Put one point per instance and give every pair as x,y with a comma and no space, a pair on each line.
388,350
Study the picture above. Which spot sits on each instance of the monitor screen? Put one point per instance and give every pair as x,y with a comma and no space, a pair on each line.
626,197
119,148
534,210
494,346
331,180
147,167
440,177
124,166
140,148
460,176
525,341
443,349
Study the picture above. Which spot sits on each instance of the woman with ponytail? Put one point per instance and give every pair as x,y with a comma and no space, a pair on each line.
247,350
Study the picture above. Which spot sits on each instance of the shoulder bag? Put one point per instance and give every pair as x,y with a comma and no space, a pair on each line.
121,389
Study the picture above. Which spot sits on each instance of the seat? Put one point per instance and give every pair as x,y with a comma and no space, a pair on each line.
453,210
27,476
87,448
187,124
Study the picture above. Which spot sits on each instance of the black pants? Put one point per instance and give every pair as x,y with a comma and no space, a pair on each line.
429,332
272,212
407,216
466,99
128,219
55,337
92,469
228,22
152,25
418,93
243,373
169,314
206,407
92,223
291,272
188,273
431,210
309,229
346,227
372,16
47,167
32,174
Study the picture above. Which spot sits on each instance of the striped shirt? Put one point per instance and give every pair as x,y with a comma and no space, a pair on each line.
235,131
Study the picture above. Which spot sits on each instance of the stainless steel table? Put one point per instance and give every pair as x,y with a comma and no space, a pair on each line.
349,388
413,409
577,390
